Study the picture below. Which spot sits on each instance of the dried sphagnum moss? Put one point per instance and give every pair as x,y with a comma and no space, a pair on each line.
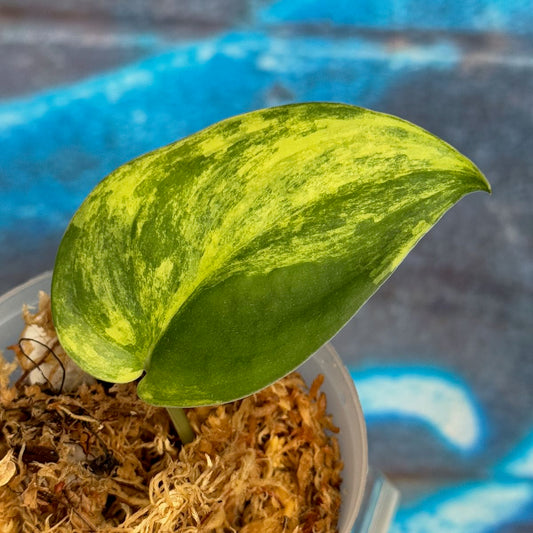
100,459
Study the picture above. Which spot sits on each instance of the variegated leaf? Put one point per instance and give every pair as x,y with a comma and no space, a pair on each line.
217,264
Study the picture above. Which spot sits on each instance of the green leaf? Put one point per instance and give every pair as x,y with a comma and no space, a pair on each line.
219,263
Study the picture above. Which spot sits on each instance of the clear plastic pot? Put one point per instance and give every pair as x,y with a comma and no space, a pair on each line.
368,501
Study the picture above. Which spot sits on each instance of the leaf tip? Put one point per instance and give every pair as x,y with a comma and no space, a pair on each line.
485,185
482,182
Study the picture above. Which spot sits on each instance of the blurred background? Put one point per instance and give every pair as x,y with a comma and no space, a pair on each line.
442,355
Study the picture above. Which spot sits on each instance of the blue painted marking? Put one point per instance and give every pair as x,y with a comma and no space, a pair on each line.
432,397
510,16
470,508
519,463
57,145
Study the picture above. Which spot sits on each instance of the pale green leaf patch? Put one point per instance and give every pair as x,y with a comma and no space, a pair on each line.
219,263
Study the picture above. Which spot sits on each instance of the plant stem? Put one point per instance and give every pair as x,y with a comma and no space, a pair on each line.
179,419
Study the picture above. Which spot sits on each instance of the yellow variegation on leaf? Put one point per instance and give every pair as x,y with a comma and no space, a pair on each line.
217,264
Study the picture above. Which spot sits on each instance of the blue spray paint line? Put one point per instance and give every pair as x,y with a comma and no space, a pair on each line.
509,16
437,399
57,145
479,507
519,463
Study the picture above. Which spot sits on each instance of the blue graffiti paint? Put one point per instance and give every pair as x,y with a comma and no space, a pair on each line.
519,463
470,508
62,142
432,397
511,16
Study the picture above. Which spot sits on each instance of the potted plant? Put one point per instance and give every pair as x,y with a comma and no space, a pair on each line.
214,266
